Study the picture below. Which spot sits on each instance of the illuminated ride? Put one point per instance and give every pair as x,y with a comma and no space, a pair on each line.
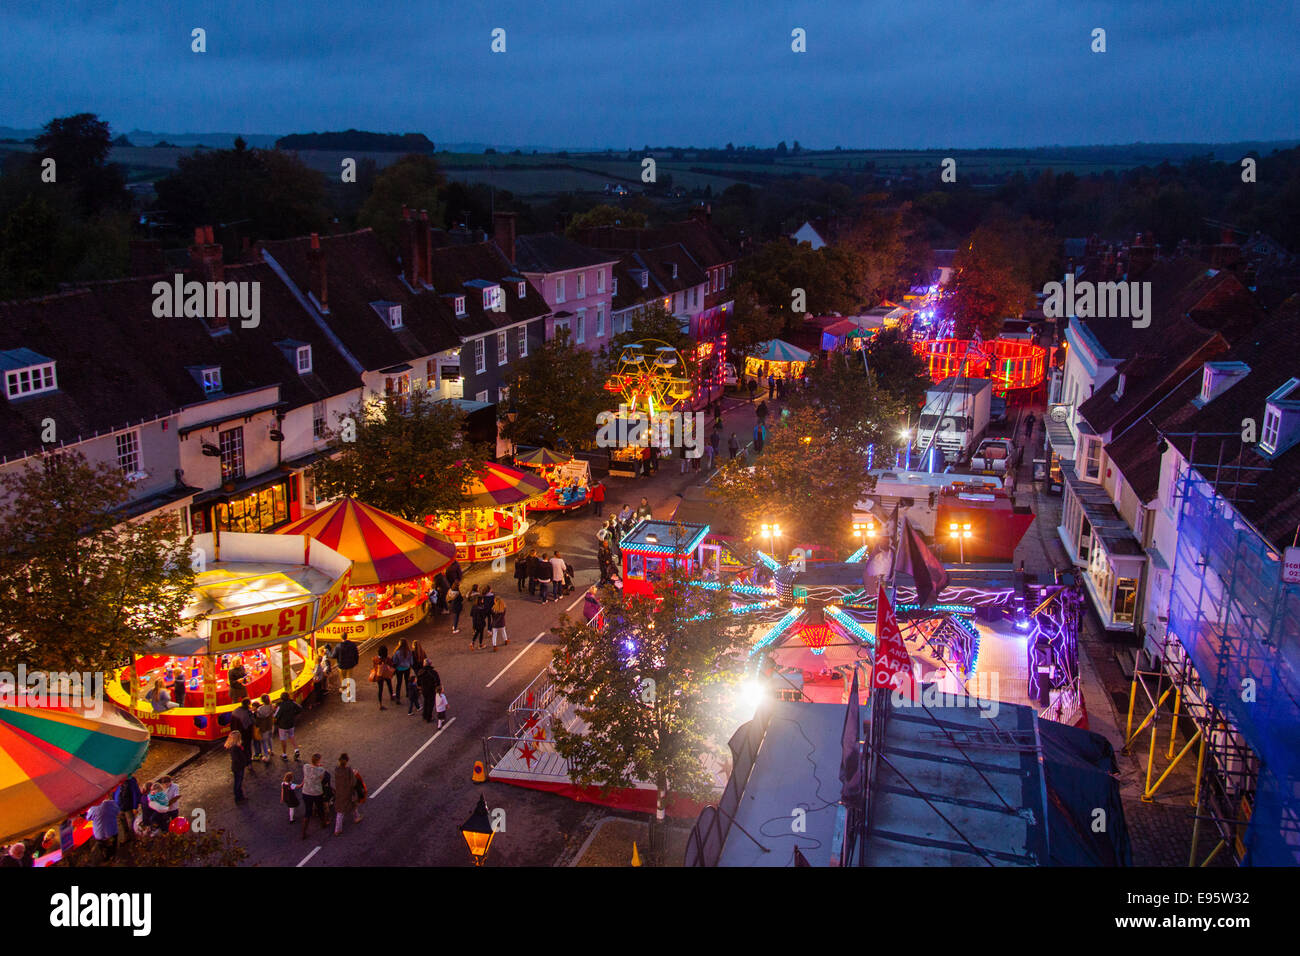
492,521
568,479
258,602
652,383
393,565
1010,363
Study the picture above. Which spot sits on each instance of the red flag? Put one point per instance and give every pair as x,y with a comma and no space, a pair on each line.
893,668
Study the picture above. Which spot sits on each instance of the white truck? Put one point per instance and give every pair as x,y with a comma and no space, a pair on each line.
955,417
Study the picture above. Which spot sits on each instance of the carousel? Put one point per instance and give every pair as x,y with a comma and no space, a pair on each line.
393,565
568,479
652,383
254,613
492,522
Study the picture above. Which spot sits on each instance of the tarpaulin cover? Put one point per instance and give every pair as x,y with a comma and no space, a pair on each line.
1078,765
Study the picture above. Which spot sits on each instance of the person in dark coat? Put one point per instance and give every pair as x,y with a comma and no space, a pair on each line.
441,582
348,657
521,572
239,762
544,576
241,720
454,572
531,565
733,446
429,682
477,618
761,412
456,604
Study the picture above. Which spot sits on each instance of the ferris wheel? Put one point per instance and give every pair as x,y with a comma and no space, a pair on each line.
650,377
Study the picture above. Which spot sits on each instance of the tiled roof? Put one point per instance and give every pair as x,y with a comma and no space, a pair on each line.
454,266
705,245
551,252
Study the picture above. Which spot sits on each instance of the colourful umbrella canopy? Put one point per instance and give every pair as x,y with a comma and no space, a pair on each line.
55,762
541,456
498,485
775,350
384,549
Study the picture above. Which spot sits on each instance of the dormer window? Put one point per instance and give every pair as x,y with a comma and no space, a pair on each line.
1218,377
304,359
211,379
1281,419
523,290
390,312
493,300
1272,426
27,373
643,275
674,270
460,306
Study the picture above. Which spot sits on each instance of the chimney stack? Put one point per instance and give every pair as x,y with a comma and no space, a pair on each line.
1141,256
410,245
1227,254
319,275
503,233
424,248
206,256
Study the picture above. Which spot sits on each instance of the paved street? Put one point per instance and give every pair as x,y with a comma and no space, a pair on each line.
419,778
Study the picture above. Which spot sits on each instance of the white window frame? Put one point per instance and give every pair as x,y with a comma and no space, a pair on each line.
523,341
492,295
32,380
460,306
600,281
559,289
480,357
503,348
482,396
232,451
580,327
613,290
129,459
600,320
1272,428
1091,442
580,286
395,317
523,290
211,378
304,359
319,422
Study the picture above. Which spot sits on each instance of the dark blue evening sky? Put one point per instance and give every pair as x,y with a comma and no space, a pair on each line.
581,73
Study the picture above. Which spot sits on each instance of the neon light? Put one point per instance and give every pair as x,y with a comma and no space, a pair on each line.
769,561
858,555
779,629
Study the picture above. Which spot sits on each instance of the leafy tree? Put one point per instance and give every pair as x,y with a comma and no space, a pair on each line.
878,243
79,146
826,276
270,194
29,249
750,323
605,215
414,181
898,370
218,848
407,462
854,408
556,394
996,272
805,480
80,588
655,688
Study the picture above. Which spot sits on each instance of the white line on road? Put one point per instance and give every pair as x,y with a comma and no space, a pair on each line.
409,759
582,597
304,860
522,652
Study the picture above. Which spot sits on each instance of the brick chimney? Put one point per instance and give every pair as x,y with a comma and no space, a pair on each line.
503,233
1141,256
319,274
206,258
425,248
1227,254
408,243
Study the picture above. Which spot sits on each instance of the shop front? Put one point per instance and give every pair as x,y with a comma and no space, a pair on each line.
1100,542
393,565
256,506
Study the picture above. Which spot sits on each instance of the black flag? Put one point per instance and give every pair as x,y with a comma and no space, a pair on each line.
799,858
917,560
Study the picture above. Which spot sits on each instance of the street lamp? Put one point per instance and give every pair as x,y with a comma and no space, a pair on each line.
771,532
865,529
960,533
478,832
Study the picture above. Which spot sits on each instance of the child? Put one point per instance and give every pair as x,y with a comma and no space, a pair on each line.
288,796
412,693
441,700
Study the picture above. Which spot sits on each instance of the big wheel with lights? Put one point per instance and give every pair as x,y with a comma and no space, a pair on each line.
650,377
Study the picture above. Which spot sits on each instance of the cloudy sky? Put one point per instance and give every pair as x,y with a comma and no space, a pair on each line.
623,73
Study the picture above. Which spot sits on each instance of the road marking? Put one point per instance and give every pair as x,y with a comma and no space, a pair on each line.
308,857
582,597
408,761
521,653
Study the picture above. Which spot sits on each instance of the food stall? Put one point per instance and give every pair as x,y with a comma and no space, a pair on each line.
652,547
778,358
568,479
393,565
492,522
258,600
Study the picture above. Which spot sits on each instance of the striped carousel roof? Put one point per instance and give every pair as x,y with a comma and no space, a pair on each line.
383,548
56,761
542,456
496,485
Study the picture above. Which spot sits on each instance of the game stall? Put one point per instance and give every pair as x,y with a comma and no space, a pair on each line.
568,479
393,560
258,602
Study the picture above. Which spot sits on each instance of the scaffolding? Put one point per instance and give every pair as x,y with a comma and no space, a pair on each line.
1229,664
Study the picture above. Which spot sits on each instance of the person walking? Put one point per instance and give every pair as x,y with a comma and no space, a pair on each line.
530,564
430,684
286,716
653,460
313,793
761,412
753,387
499,624
476,618
597,495
455,604
241,719
345,794
412,692
129,800
455,573
544,571
238,762
521,572
381,674
402,663
733,446
103,824
441,703
289,793
771,384
263,729
557,575
1029,424
708,459
348,656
